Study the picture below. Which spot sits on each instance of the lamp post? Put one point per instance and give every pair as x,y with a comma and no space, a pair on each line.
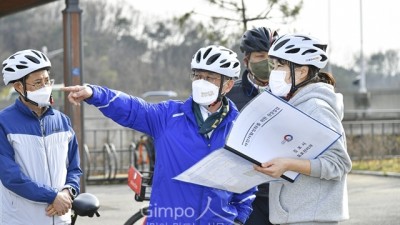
362,98
363,86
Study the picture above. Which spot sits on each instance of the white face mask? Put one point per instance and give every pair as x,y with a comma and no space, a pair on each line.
204,93
277,83
40,96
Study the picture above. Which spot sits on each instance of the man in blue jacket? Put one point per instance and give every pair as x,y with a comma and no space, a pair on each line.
184,133
39,158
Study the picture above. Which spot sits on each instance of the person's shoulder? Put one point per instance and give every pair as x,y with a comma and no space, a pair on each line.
8,110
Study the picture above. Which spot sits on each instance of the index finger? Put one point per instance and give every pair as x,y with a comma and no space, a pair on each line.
71,88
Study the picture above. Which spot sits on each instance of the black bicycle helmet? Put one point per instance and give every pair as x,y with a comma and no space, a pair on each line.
257,40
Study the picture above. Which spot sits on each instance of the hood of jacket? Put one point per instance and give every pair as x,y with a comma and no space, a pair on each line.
320,91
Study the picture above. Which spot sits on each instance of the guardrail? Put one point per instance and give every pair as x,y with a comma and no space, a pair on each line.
373,139
110,152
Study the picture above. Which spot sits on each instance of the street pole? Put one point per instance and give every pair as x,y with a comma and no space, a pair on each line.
363,86
72,24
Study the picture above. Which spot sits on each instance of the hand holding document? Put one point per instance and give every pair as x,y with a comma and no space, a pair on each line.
266,128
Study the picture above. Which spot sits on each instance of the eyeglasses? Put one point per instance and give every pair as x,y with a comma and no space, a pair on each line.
208,78
42,83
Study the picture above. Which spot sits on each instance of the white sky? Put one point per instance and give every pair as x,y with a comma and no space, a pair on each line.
380,19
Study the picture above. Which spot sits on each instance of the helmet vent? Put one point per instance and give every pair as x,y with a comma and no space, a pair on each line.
198,57
293,51
256,34
9,69
309,51
38,55
21,67
323,47
304,37
206,53
212,59
226,65
279,45
44,57
32,59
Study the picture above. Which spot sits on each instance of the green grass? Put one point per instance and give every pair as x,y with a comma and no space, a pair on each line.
381,165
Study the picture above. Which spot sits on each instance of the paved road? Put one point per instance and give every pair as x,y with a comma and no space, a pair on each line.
373,200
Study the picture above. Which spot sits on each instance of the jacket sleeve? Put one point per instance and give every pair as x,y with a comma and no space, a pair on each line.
128,111
14,180
335,162
243,203
73,171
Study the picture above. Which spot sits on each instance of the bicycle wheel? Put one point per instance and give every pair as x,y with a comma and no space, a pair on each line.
138,218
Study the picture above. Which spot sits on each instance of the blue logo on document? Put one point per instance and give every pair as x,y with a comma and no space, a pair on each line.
287,138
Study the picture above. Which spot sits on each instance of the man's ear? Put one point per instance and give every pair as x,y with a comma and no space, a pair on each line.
18,87
229,85
246,60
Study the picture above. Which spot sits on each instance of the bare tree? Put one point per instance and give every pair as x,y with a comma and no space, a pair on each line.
240,16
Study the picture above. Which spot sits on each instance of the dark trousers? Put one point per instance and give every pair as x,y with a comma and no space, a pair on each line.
260,214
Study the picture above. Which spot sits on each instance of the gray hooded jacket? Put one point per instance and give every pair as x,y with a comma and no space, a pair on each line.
322,196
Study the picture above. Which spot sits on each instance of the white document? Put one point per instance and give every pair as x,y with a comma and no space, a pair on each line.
266,128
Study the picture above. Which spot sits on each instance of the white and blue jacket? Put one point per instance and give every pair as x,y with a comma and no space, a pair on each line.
178,146
38,157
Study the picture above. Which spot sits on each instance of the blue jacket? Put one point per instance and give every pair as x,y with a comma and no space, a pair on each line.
38,157
178,146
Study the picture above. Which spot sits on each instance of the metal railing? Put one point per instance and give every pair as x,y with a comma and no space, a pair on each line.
373,139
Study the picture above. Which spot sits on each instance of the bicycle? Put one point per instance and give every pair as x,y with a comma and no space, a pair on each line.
85,204
143,156
140,181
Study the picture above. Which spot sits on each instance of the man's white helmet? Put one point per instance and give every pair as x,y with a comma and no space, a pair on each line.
217,59
300,49
23,63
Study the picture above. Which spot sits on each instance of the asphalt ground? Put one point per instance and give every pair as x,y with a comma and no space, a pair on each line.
373,200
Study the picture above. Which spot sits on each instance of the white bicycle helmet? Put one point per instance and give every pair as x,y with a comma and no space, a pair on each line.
217,59
300,49
23,63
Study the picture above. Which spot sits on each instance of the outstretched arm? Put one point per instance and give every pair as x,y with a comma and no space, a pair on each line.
78,93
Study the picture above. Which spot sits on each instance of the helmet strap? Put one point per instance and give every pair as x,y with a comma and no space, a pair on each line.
294,86
25,96
220,95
